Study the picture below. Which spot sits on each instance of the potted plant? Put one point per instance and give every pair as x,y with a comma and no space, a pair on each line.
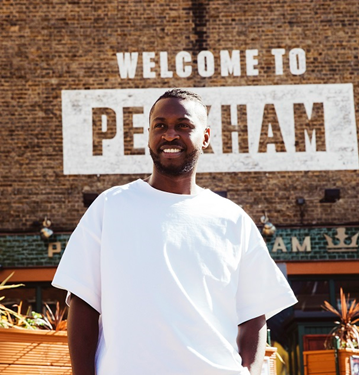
32,342
345,329
341,343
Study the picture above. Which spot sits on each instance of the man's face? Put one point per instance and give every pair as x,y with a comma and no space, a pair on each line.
177,134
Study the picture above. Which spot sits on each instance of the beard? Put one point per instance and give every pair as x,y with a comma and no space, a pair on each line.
174,170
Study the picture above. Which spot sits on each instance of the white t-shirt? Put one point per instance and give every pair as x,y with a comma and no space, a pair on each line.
172,276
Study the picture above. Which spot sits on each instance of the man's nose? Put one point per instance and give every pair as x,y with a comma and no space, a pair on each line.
170,135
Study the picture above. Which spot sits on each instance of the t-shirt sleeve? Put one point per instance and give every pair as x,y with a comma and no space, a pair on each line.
79,269
262,287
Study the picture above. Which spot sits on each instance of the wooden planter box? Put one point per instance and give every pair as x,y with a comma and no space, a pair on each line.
27,352
322,362
270,358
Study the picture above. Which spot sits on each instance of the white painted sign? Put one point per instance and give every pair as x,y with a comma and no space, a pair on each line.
184,63
256,128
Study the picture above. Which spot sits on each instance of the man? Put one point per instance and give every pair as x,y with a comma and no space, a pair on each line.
167,278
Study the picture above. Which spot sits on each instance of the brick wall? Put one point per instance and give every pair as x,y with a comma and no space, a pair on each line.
50,46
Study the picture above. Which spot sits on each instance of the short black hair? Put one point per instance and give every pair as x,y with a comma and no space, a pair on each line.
180,94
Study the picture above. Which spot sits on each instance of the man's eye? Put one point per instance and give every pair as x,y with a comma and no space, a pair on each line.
182,125
159,126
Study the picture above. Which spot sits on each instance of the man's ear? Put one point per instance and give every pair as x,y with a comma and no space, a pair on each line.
206,137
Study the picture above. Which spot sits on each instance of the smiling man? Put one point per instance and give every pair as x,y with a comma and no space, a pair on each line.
177,135
165,277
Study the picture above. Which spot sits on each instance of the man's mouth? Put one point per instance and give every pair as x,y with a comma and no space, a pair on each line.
171,150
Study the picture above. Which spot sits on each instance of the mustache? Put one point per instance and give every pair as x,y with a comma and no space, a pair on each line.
171,143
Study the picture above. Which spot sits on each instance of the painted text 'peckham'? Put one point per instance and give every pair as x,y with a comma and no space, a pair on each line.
257,128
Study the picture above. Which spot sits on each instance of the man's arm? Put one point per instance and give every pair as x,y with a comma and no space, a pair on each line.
251,341
82,330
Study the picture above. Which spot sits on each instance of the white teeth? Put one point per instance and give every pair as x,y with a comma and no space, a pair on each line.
171,150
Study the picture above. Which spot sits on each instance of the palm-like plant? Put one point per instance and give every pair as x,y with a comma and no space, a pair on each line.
8,316
15,319
56,320
345,330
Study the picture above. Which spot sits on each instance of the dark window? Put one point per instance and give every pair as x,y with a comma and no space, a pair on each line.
311,294
14,297
51,295
350,287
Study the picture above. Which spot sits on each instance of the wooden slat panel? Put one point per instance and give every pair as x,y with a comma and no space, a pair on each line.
33,370
319,362
24,335
271,353
31,353
45,352
25,352
323,361
344,360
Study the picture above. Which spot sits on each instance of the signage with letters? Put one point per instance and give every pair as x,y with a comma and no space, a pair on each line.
314,243
256,128
287,244
230,63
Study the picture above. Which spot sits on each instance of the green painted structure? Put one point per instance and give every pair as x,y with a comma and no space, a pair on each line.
305,244
287,244
30,250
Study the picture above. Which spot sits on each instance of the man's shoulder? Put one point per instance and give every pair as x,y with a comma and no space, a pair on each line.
224,204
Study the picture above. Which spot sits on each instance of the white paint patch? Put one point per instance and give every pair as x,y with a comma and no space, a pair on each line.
340,131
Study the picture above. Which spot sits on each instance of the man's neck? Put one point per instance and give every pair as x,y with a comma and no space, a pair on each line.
184,184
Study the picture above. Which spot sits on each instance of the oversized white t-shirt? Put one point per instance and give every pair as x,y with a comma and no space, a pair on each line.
172,276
